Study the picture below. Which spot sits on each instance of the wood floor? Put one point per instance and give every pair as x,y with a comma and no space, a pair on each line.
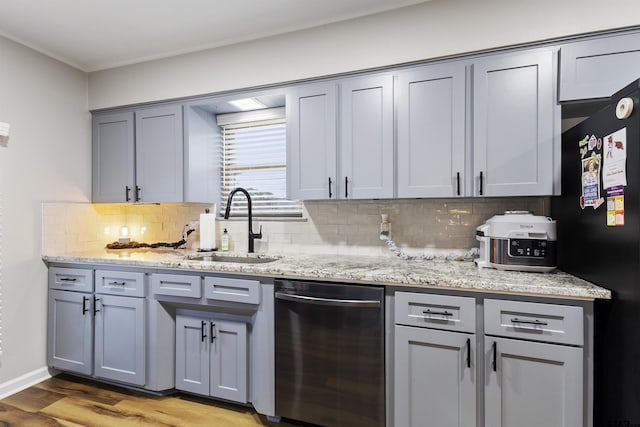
70,401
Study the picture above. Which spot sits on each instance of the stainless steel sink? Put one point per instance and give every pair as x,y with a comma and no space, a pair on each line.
234,259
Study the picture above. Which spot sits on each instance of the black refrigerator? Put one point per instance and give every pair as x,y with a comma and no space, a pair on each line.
598,226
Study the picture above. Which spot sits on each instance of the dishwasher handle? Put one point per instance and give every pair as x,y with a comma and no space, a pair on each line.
328,301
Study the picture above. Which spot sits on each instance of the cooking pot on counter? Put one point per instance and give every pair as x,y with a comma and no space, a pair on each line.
518,240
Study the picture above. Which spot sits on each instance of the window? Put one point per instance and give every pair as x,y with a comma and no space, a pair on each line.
254,157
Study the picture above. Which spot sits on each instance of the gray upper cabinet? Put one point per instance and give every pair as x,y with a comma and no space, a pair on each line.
113,157
159,160
513,124
431,131
599,67
312,142
361,164
142,162
366,138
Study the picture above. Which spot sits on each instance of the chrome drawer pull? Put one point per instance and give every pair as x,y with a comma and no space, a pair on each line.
68,279
529,322
436,313
117,283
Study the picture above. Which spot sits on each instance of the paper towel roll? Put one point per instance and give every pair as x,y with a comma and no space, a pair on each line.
207,231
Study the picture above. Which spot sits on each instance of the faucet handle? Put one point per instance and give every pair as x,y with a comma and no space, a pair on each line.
259,235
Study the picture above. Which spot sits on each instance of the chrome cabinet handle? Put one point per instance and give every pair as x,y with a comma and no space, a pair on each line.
528,322
330,193
127,190
458,183
328,301
117,283
68,279
212,331
138,190
481,179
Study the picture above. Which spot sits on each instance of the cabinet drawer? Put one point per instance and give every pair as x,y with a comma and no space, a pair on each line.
236,290
120,283
176,285
71,279
534,321
436,311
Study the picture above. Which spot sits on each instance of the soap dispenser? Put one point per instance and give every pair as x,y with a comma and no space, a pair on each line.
225,241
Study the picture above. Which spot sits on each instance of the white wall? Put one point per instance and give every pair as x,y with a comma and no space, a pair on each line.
48,157
430,30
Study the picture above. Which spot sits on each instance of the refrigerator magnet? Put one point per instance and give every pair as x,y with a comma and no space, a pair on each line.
591,182
615,206
614,163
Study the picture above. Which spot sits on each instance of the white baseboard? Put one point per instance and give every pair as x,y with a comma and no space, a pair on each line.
25,381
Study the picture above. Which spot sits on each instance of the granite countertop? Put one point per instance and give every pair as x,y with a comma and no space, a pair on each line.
385,270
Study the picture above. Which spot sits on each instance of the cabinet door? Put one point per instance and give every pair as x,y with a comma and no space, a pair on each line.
431,131
366,138
159,154
311,142
120,338
513,124
70,334
531,384
113,158
435,381
192,354
599,67
229,361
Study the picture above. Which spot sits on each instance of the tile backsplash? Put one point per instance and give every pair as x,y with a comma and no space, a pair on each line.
337,227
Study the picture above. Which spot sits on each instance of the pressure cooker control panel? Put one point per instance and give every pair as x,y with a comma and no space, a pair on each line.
528,248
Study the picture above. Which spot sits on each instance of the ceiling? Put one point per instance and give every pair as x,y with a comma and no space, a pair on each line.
93,35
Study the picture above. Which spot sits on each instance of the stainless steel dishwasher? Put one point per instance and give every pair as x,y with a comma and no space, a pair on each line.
329,341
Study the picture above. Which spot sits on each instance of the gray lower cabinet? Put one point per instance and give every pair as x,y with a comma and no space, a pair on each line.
533,362
435,378
70,331
120,326
102,333
138,155
598,67
120,338
70,320
514,118
211,357
434,360
532,384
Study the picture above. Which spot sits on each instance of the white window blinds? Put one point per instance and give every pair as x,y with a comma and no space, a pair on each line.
254,157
